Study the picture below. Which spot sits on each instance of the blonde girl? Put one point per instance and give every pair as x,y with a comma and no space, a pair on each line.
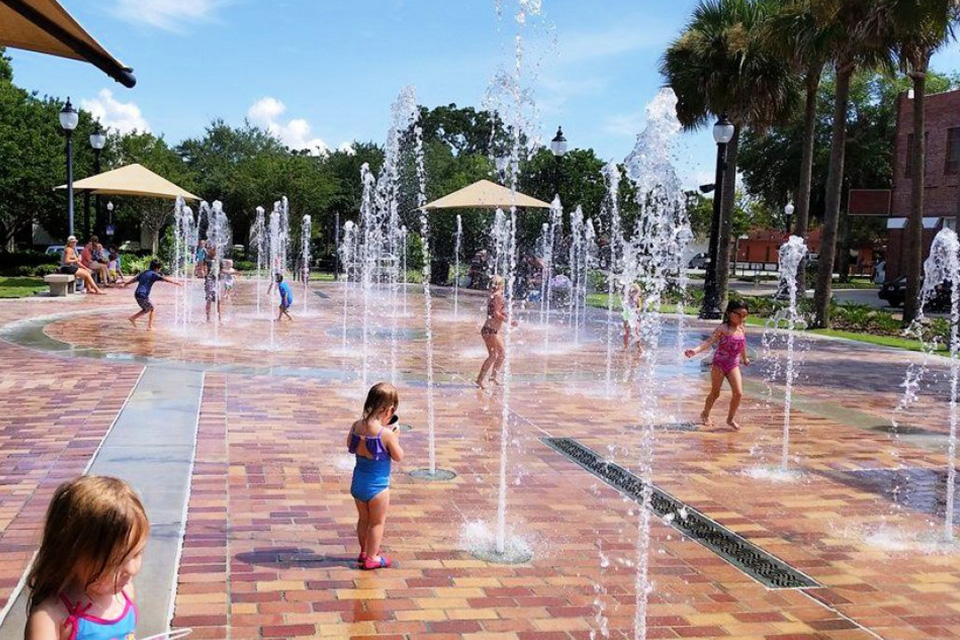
632,304
81,581
490,332
375,445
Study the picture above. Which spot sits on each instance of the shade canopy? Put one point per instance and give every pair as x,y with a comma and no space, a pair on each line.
486,195
46,27
131,180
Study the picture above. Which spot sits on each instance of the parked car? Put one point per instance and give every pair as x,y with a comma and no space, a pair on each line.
698,261
55,250
895,293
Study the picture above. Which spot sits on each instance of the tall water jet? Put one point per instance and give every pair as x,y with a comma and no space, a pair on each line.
403,265
218,234
456,267
276,244
575,260
556,227
259,233
589,260
543,244
348,256
648,257
368,251
611,173
792,254
306,230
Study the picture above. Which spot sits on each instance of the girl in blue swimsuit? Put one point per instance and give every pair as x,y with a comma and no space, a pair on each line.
375,447
81,580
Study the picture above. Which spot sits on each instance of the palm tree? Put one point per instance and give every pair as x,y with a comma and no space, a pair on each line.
800,33
853,47
915,29
719,65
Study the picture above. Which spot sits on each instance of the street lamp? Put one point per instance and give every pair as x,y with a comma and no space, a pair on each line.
69,119
110,219
97,141
788,212
559,148
723,132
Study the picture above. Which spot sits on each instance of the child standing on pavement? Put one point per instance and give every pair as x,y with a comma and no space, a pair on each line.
286,297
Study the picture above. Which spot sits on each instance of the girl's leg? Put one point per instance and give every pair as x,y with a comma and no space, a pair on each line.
501,355
716,380
490,344
363,523
377,518
626,336
87,278
736,387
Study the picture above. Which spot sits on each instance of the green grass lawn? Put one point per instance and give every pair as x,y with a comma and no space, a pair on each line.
317,276
20,287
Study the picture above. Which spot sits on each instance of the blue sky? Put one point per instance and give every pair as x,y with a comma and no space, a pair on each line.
328,70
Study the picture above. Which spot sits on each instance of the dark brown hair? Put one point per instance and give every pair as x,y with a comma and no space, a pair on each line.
381,396
734,305
93,525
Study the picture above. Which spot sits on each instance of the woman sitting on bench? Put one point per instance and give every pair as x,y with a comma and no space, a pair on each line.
70,264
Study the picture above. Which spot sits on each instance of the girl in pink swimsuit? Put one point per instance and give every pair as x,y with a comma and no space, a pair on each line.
731,341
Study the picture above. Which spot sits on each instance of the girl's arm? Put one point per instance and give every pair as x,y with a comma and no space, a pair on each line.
393,446
42,625
717,334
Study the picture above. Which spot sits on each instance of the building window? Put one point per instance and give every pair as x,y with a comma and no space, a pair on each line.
909,164
953,151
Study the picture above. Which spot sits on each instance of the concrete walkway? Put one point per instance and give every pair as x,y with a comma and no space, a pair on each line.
151,446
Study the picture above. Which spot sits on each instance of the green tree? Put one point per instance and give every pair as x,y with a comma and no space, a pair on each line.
915,29
853,48
721,65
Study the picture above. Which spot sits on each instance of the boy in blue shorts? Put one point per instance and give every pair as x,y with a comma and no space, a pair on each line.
145,283
286,297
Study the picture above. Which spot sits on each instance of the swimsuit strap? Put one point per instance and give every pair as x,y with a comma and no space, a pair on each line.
75,613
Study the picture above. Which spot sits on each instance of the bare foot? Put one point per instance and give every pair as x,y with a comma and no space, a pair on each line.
495,381
705,420
479,383
132,321
150,328
733,425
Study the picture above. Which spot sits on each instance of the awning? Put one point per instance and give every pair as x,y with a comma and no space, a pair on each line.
46,27
131,180
486,195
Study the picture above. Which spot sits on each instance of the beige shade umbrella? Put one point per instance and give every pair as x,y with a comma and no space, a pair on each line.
46,27
131,180
486,195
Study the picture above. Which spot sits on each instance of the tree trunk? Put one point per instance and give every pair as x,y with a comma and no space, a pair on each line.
914,259
154,242
831,214
726,220
806,168
844,262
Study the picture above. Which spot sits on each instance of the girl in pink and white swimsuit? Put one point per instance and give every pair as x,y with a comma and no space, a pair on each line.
731,341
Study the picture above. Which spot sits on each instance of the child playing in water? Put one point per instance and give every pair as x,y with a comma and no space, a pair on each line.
286,297
145,283
375,444
631,317
80,583
227,274
731,341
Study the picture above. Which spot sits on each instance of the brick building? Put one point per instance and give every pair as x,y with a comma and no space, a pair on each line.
942,196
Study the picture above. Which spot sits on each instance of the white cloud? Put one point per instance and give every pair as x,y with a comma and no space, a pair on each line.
122,116
171,15
294,133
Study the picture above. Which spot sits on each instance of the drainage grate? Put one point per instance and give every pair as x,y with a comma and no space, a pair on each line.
749,558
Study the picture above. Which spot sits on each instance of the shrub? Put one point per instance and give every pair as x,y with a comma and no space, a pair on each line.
244,265
22,263
45,269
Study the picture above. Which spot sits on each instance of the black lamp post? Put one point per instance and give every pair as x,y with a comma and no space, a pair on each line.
109,229
559,148
723,132
97,141
69,119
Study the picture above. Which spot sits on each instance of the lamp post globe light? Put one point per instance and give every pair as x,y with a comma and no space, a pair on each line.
558,146
98,140
788,214
723,132
69,119
110,219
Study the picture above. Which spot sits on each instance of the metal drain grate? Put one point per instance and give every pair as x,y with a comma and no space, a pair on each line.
749,558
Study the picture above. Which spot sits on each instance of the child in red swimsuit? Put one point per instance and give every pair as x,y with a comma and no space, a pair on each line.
731,341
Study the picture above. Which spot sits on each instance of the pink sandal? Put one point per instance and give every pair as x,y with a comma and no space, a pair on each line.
371,565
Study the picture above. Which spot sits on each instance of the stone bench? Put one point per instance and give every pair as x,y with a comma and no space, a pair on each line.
61,283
